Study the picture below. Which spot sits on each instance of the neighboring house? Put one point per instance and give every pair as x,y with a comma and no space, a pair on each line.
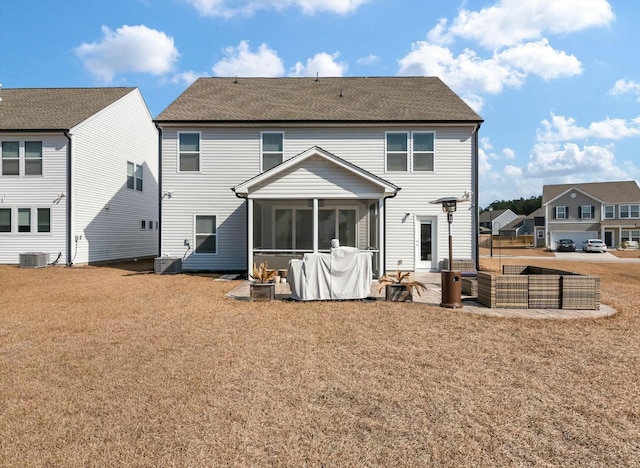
603,210
496,219
515,228
271,168
78,176
535,225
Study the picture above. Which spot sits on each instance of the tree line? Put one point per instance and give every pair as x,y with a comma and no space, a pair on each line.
520,206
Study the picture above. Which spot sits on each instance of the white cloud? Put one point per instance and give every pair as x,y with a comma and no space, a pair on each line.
129,49
508,153
240,61
511,22
626,87
539,58
186,77
552,160
228,8
368,60
322,64
562,128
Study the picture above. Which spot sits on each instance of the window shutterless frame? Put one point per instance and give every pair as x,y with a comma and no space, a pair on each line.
205,230
43,220
189,159
10,158
33,159
5,221
271,149
396,152
423,151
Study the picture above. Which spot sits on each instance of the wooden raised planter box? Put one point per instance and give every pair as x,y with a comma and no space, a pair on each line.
262,292
526,287
398,293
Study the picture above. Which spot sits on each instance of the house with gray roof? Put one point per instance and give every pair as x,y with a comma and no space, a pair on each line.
273,168
602,210
78,175
494,220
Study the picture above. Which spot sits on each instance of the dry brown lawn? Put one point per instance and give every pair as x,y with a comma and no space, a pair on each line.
103,366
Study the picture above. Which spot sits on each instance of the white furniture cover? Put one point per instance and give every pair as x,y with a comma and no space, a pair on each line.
345,273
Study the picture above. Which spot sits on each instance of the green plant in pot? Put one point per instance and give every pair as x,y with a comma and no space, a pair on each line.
399,287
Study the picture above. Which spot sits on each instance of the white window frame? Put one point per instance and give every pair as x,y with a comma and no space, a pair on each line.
609,209
413,152
198,153
30,231
263,152
540,233
585,212
10,231
630,209
196,234
293,210
3,159
41,158
37,223
137,176
564,212
395,153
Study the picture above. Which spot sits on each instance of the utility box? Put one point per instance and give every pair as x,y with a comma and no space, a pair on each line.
33,259
167,265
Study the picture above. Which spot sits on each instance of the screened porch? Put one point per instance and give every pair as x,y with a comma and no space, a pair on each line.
283,229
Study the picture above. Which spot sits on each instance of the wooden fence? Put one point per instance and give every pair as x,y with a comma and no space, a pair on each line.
484,240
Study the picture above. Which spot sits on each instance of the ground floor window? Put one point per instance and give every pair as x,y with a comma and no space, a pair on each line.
206,235
631,235
44,220
293,228
5,219
338,224
24,219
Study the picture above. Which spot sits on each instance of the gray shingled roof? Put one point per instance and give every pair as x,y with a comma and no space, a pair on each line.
53,108
377,99
610,192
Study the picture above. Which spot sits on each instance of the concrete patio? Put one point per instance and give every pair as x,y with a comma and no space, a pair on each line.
433,296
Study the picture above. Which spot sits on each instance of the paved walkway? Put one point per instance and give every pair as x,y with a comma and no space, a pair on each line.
433,297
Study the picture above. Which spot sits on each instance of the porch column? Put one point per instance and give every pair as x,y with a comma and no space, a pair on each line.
315,225
382,264
249,237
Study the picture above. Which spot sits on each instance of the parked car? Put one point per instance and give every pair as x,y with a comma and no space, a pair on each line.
594,245
566,245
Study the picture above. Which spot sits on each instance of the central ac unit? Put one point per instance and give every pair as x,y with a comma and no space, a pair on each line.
34,259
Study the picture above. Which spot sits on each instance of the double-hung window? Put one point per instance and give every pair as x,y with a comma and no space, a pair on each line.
272,149
5,220
32,158
189,152
561,212
134,176
586,212
397,151
24,219
629,211
10,158
44,219
206,235
609,211
423,152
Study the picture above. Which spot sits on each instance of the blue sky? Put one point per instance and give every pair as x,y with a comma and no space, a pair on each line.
556,81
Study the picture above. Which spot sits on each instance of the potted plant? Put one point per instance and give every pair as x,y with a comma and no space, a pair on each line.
399,287
263,286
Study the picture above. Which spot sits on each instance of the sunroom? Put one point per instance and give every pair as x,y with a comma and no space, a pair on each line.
300,205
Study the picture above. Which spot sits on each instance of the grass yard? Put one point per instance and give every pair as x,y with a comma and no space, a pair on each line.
113,367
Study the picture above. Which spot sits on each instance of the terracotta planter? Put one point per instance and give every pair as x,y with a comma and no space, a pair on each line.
262,292
398,293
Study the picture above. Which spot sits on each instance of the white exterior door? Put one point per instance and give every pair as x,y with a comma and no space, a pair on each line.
425,243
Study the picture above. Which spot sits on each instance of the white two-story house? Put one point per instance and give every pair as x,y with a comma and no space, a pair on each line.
600,210
78,175
257,169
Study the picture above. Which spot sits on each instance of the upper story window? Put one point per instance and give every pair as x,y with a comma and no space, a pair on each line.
189,152
587,212
423,152
562,212
32,158
609,212
134,176
10,158
397,152
629,211
272,149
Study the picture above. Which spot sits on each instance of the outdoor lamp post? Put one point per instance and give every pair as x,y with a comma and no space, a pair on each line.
451,279
491,223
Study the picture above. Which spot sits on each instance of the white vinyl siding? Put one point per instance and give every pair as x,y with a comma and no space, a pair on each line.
363,147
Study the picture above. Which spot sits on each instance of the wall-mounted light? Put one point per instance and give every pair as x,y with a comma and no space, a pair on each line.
106,207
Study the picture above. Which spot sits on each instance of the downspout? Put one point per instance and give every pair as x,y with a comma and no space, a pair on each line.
383,260
246,247
159,189
69,197
476,215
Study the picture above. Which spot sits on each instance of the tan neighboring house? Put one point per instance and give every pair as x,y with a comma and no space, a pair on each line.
602,210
